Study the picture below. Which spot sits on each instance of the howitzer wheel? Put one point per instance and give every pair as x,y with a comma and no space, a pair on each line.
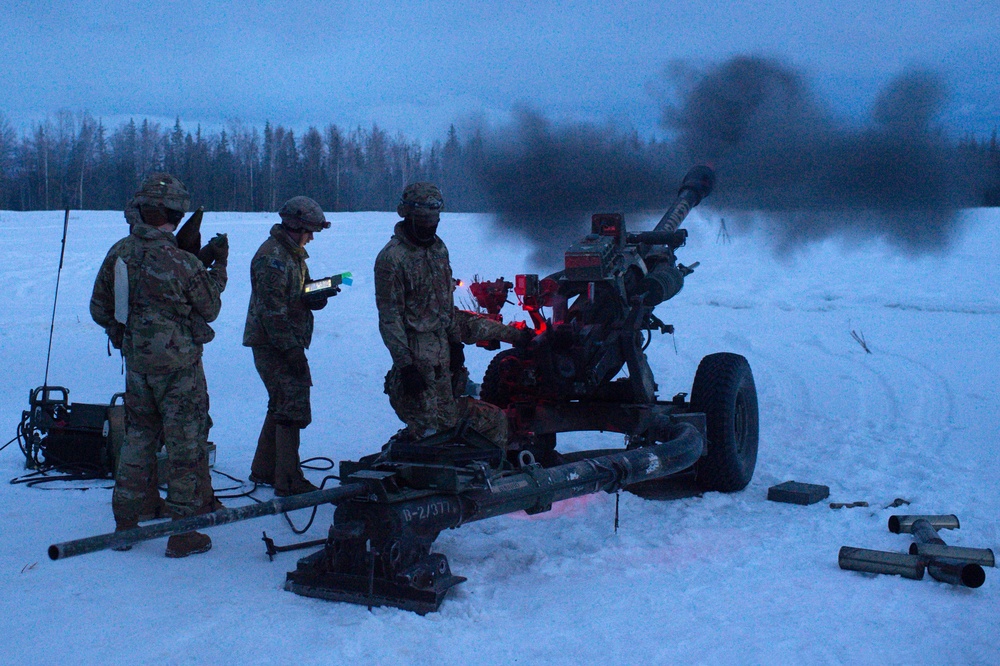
724,390
493,389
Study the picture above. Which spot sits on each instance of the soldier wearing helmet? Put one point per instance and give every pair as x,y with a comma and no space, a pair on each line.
154,300
279,329
422,329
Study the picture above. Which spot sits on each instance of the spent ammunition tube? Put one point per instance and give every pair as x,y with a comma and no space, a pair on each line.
189,234
904,524
696,186
881,562
924,532
221,517
981,556
956,573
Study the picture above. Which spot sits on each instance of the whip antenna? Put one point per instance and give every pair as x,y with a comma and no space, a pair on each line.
52,326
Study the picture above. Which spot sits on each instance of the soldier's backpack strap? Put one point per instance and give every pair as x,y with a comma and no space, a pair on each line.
134,262
121,291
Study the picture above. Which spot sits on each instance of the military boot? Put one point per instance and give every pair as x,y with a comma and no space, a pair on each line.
209,502
189,543
122,526
288,477
124,510
262,467
153,508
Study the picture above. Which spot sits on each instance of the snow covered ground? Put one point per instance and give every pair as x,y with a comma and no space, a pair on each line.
710,579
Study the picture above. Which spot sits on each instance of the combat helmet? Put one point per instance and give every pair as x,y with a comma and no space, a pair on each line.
159,190
302,214
420,195
162,189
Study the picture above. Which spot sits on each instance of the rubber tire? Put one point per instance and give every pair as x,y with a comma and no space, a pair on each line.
724,390
491,390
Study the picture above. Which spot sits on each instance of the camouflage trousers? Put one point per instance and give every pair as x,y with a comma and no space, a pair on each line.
287,393
437,408
176,405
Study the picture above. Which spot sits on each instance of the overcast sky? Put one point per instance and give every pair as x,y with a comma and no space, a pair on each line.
416,66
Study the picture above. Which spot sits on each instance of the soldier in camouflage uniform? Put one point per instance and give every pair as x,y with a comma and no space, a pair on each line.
154,300
279,329
424,332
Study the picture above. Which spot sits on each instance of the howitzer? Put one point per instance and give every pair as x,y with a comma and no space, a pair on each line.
393,504
602,319
602,302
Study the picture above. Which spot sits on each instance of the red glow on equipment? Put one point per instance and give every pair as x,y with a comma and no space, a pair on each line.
583,261
608,224
533,295
490,296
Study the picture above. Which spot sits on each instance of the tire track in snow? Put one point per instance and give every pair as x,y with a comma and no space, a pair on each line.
853,420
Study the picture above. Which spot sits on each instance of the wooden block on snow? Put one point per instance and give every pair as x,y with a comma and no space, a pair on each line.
793,492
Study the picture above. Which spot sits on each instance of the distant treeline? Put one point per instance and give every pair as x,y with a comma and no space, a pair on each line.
990,152
75,161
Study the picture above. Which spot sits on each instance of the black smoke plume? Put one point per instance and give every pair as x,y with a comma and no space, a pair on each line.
775,148
543,179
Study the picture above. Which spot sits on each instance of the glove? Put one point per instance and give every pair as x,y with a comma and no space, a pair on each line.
412,380
524,337
296,359
316,301
456,356
216,251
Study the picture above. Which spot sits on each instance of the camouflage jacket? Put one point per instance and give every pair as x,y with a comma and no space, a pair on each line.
171,297
414,294
276,316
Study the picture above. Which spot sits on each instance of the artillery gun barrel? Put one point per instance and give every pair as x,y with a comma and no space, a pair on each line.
697,185
221,517
664,280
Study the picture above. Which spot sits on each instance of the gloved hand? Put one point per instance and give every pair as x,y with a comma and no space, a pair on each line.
316,301
412,380
216,251
296,359
456,356
524,337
